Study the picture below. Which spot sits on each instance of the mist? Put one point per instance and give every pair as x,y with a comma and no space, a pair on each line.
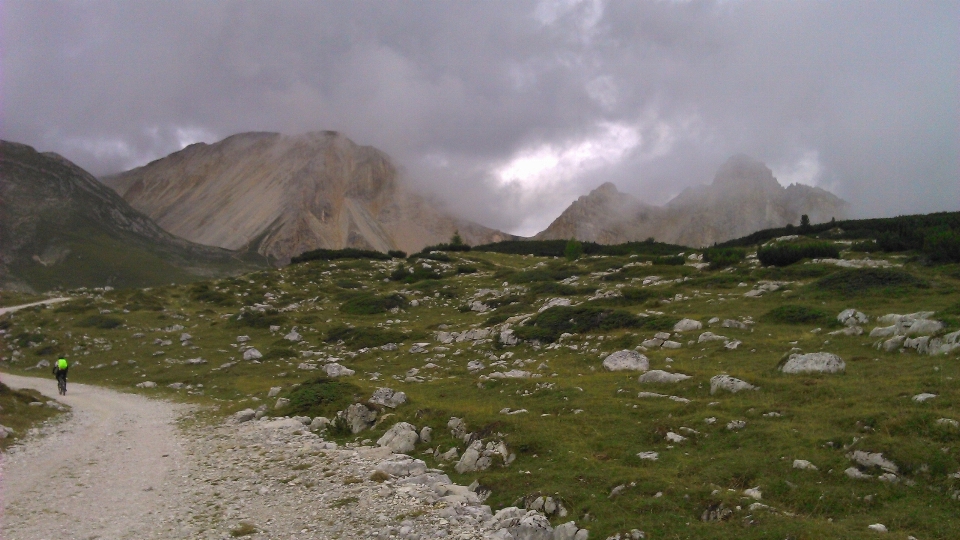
509,111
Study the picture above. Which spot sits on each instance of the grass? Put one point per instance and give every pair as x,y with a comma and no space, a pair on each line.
585,425
17,413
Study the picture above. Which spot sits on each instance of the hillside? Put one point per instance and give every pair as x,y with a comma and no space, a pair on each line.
282,195
812,400
60,227
744,197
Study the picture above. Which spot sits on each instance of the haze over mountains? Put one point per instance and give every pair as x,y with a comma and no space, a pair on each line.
282,195
59,226
744,197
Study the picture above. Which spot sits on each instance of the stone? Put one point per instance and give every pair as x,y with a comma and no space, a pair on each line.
565,531
319,423
281,403
274,391
852,317
671,344
884,331
306,366
419,348
359,417
147,384
820,362
402,438
686,325
402,466
924,327
426,434
244,416
878,527
42,364
804,465
475,365
948,422
512,374
649,456
626,360
729,384
662,336
854,473
674,438
252,354
660,376
730,323
920,398
457,428
388,397
732,345
710,336
508,338
293,336
389,347
554,302
871,459
652,343
753,493
735,425
336,370
468,461
185,337
243,339
450,454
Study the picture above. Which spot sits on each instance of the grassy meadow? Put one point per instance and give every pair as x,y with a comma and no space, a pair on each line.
584,427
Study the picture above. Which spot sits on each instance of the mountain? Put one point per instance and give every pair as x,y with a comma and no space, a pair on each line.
744,197
282,195
59,226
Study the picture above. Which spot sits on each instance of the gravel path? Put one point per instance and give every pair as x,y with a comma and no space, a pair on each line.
11,309
113,469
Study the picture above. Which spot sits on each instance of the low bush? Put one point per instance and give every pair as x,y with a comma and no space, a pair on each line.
413,274
796,314
724,257
858,281
24,339
104,322
364,337
334,254
321,396
464,269
787,253
550,273
202,292
559,289
276,353
865,246
942,246
397,254
550,324
139,301
371,304
258,319
79,306
348,284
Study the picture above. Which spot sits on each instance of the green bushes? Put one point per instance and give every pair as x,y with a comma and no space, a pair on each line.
364,337
334,254
320,397
258,319
942,246
560,289
371,304
550,324
413,274
787,253
464,269
550,273
857,281
202,292
104,322
573,250
79,306
795,314
724,257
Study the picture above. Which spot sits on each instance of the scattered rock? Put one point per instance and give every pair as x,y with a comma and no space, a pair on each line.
660,376
852,317
730,384
820,362
870,459
686,325
878,527
252,354
274,391
650,456
336,370
147,384
554,302
293,335
388,397
358,416
626,360
281,403
710,336
804,465
244,416
920,398
402,438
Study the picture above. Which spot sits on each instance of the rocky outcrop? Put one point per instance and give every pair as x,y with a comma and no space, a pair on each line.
743,198
282,195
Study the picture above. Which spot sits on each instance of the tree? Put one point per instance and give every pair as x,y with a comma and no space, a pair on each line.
804,222
456,240
574,250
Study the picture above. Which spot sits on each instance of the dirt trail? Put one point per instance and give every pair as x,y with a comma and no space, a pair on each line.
11,309
114,469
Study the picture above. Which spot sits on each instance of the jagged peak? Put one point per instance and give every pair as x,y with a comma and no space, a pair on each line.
742,171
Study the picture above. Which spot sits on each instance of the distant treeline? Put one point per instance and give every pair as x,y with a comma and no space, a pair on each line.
556,248
936,235
347,253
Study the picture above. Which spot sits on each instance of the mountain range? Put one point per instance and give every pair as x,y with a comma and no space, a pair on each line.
744,197
255,199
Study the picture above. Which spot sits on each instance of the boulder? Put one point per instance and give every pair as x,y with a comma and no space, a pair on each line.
804,465
319,423
468,461
554,302
402,438
359,417
669,344
252,354
884,331
274,391
729,384
508,338
872,459
660,376
388,397
522,524
852,317
147,384
626,360
244,416
426,434
686,325
710,336
924,327
293,335
820,362
402,466
336,370
281,403
730,323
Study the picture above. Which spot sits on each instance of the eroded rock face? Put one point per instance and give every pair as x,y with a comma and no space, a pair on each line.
289,194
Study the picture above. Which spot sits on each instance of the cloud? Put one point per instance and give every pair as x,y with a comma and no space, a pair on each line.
507,112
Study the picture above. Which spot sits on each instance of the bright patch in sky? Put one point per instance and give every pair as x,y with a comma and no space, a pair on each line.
806,170
550,164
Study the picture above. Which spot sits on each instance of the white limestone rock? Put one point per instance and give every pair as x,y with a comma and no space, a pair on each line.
729,384
336,370
660,376
252,354
686,325
804,465
626,360
820,362
388,397
402,438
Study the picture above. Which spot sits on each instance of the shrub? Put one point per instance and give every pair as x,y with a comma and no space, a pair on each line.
139,301
673,260
321,396
723,257
105,322
257,319
856,281
573,250
795,314
463,269
348,284
334,254
202,292
549,324
364,337
371,304
865,246
79,306
413,274
397,254
942,246
787,253
280,352
552,287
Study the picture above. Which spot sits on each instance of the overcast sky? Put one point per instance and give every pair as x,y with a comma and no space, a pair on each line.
510,110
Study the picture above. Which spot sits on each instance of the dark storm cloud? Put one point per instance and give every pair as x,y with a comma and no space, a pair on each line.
510,110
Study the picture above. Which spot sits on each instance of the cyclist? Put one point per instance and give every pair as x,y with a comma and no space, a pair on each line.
60,368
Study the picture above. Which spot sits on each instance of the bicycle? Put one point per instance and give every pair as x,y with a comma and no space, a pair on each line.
62,384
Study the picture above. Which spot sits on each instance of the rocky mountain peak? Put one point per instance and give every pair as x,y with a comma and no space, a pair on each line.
741,172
